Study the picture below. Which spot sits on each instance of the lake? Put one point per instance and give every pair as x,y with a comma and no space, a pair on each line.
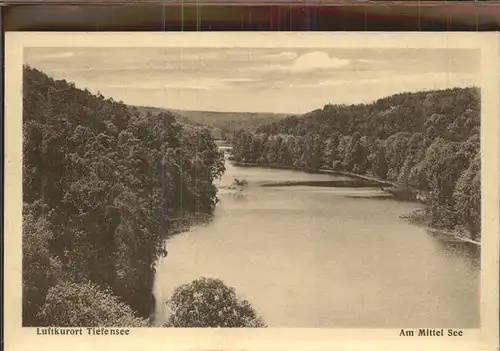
325,257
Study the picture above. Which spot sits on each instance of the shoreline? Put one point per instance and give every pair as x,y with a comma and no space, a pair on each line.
451,233
459,233
406,193
315,171
403,193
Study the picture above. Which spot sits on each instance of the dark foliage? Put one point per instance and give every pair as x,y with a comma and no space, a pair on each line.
103,187
86,305
425,140
209,303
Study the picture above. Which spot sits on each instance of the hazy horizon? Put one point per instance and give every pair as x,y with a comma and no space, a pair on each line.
285,81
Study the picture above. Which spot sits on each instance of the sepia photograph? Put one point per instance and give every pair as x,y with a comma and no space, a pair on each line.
277,186
251,187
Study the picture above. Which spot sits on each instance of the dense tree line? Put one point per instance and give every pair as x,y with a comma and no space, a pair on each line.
221,124
426,140
103,186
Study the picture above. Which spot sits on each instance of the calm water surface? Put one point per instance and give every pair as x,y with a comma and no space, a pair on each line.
325,257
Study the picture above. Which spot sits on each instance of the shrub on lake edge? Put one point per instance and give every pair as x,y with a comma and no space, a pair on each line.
209,303
418,216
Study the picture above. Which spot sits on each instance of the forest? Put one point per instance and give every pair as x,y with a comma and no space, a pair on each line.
105,184
222,125
428,141
103,187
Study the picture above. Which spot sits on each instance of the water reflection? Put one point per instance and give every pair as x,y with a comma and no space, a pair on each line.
453,247
326,257
238,196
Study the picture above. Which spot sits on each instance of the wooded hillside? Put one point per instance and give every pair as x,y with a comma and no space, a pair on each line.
103,186
221,124
426,140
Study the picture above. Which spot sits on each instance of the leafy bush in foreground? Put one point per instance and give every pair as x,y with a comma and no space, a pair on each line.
209,303
41,270
86,305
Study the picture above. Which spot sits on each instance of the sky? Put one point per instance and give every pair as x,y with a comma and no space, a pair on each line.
256,80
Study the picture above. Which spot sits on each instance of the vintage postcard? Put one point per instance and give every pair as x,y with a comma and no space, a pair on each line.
252,191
